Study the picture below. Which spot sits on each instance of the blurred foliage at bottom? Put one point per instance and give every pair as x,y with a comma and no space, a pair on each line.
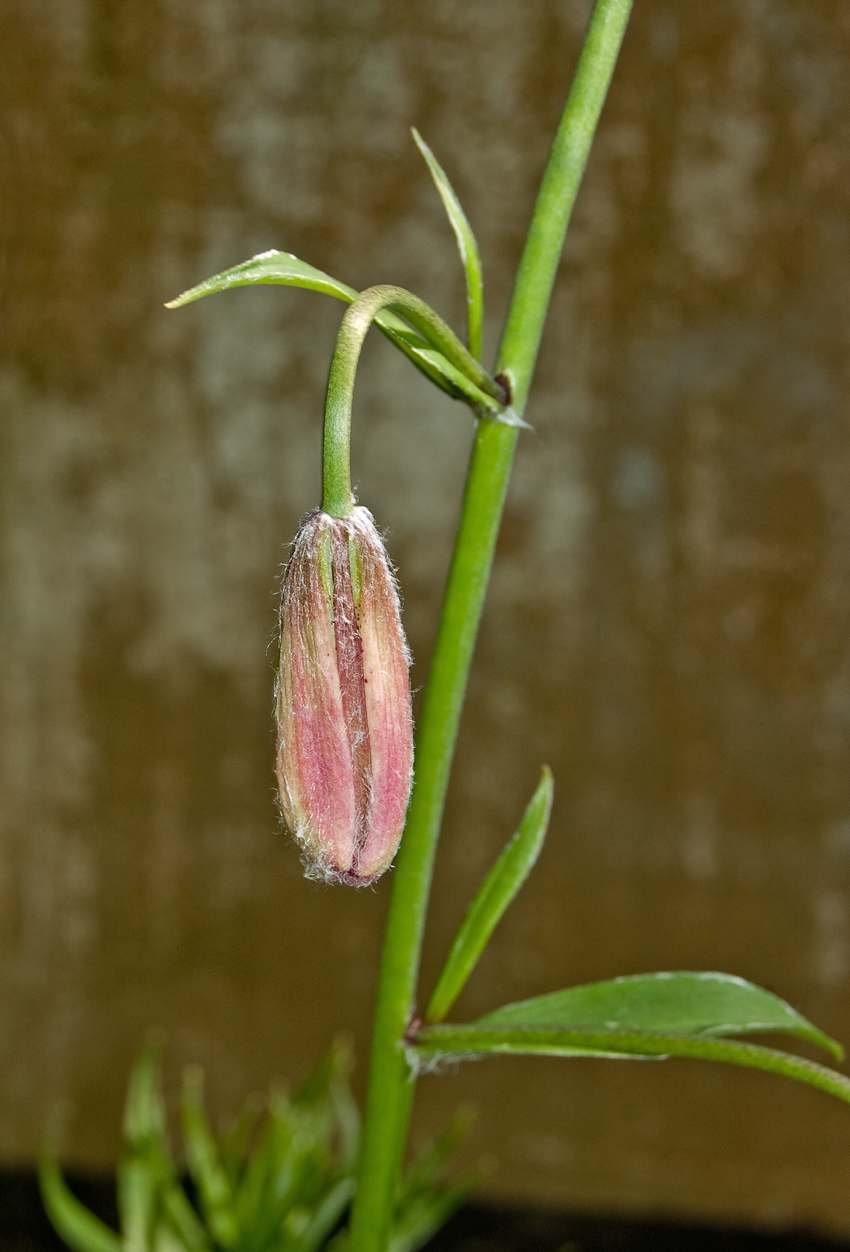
280,1179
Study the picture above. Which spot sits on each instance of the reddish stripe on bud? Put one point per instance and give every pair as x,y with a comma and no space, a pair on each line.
345,733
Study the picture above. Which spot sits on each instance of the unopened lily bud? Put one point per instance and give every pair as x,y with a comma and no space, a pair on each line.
344,726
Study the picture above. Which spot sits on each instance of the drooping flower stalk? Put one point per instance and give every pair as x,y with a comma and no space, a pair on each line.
336,474
345,732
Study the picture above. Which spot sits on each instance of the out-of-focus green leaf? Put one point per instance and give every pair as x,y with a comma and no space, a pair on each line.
274,1175
205,1166
136,1187
466,243
347,1117
182,1220
234,1144
250,1199
287,1195
318,1086
326,1216
165,1240
144,1111
290,271
81,1230
425,1200
428,1170
423,1217
493,897
681,1003
145,1157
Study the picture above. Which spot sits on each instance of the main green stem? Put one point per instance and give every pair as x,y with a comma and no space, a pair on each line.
390,1082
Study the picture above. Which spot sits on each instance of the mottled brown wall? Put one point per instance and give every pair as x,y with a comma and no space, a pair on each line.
668,624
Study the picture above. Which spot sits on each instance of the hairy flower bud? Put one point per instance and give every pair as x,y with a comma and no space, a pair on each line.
344,726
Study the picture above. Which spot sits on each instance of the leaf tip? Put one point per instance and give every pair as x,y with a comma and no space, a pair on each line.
832,1046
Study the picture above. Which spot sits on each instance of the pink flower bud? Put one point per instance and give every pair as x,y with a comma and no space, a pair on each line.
344,726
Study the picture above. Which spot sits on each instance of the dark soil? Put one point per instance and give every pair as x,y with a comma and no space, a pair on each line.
476,1228
484,1229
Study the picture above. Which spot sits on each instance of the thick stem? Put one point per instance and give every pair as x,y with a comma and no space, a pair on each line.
337,497
390,1084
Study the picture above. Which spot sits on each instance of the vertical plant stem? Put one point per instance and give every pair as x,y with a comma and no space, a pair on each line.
390,1082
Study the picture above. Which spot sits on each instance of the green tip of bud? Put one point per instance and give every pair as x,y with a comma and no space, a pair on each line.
344,725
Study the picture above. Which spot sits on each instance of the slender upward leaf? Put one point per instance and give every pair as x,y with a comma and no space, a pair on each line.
81,1230
290,271
696,1004
429,1169
466,243
493,897
205,1164
145,1160
326,1216
414,1226
425,1201
233,1147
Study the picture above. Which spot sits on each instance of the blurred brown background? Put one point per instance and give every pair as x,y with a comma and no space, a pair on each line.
668,621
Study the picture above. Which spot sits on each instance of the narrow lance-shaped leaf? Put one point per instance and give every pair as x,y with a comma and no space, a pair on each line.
651,1016
145,1149
80,1229
425,1201
264,1194
683,1003
428,1170
152,1204
325,1217
434,1045
288,270
165,1240
493,897
466,243
205,1165
412,1228
180,1218
234,1144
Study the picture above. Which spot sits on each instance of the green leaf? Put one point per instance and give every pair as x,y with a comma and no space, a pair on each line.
317,1086
275,1176
269,267
347,1117
234,1144
326,1216
145,1155
424,1202
495,894
144,1112
426,1173
136,1186
80,1229
205,1166
676,1003
181,1218
418,1221
165,1240
288,270
466,243
436,1044
650,1016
